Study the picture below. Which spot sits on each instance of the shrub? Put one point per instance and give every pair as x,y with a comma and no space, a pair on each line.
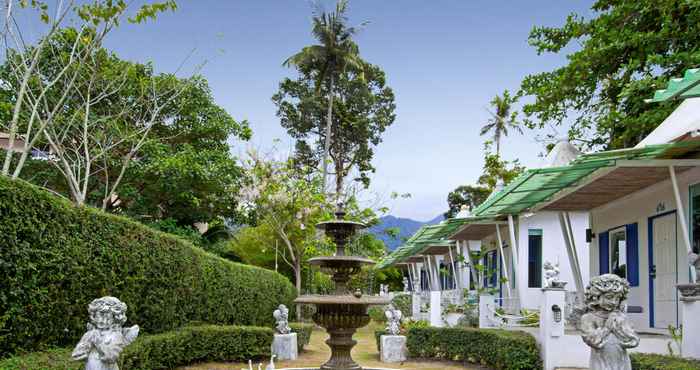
56,258
376,313
499,349
303,331
184,346
403,303
647,361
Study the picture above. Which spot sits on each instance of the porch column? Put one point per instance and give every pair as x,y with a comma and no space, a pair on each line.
514,246
503,261
454,267
682,218
567,234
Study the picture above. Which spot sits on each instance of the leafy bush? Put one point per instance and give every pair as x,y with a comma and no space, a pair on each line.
56,258
168,350
647,361
499,349
376,313
303,331
403,303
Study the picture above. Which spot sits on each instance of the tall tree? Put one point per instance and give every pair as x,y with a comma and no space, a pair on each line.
364,109
627,49
502,118
335,53
37,102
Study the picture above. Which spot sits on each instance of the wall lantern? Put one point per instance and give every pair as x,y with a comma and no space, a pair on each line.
589,235
556,310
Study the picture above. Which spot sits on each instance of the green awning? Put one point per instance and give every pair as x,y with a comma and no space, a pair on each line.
536,186
426,237
680,88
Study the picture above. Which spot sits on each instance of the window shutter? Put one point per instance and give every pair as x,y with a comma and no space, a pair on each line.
632,254
604,252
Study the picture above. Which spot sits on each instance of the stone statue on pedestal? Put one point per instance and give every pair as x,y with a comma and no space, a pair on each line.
105,339
551,276
393,323
405,284
604,324
281,315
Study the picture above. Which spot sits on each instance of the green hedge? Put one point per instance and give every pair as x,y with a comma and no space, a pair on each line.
499,349
303,331
646,361
204,343
55,258
403,302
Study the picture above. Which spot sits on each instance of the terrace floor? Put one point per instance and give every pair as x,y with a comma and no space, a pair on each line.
365,353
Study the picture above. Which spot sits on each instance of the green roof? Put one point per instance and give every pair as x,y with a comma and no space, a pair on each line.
539,185
680,88
426,236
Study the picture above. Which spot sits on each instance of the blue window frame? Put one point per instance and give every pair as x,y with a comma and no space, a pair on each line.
534,258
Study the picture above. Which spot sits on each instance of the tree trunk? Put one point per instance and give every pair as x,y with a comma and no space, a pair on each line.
297,283
329,123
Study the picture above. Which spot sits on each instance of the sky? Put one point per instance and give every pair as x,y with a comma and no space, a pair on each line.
445,60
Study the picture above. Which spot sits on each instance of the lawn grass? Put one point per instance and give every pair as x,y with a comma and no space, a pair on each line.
365,353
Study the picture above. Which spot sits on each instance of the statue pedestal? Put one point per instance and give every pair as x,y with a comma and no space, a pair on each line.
690,307
284,346
393,348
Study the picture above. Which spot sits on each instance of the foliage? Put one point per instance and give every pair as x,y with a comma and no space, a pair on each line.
289,203
648,361
404,303
470,318
303,331
623,52
503,119
497,170
499,349
363,110
335,54
56,258
376,313
468,196
190,344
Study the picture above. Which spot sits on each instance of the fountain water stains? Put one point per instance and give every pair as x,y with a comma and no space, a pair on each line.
342,313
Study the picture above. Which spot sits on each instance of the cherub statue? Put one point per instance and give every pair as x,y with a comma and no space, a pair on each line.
694,261
393,323
405,284
281,315
551,276
604,324
105,338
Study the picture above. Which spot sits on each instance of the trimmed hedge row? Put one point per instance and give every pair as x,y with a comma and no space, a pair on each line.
647,361
55,258
499,349
303,331
168,350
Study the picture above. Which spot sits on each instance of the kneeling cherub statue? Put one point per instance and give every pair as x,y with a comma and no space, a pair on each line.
105,338
604,323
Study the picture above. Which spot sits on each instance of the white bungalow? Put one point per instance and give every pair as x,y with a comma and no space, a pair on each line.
538,239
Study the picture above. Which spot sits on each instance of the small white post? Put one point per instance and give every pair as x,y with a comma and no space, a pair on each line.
552,319
690,307
487,305
436,308
682,218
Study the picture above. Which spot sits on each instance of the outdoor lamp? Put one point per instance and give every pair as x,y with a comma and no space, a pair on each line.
556,310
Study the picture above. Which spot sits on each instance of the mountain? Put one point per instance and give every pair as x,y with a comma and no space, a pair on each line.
406,226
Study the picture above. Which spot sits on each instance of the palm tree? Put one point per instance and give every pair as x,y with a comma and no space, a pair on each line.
334,54
502,119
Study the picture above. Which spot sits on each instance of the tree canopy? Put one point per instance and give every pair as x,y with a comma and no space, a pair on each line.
625,51
364,108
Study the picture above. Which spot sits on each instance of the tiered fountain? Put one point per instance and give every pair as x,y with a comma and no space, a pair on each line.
342,313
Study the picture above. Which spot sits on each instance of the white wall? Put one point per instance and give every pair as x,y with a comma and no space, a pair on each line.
553,250
638,207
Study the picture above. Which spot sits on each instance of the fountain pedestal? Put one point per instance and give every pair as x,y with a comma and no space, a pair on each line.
342,313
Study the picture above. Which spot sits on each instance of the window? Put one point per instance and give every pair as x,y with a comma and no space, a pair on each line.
695,217
618,252
534,258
